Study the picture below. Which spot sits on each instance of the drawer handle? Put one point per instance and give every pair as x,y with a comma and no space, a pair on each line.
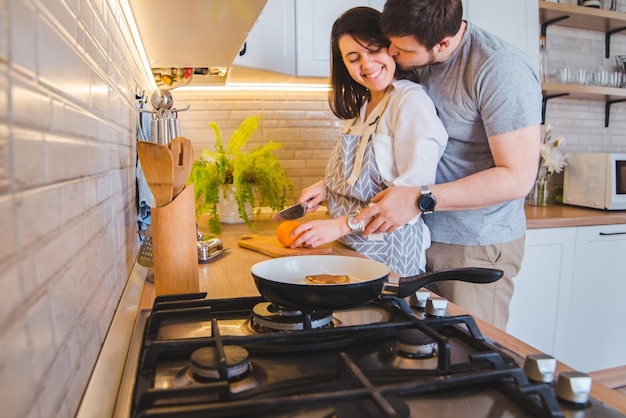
612,233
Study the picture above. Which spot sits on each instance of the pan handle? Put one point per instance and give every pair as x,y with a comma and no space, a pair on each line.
408,285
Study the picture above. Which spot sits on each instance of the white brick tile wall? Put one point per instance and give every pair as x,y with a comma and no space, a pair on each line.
10,285
68,74
30,158
5,164
23,38
40,335
29,107
18,387
301,121
4,31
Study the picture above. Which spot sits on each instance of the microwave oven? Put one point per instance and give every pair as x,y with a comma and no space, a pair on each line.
595,180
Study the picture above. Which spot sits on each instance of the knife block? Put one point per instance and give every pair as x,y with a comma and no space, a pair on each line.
175,245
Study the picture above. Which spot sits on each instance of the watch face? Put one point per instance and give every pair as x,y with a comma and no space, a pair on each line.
426,203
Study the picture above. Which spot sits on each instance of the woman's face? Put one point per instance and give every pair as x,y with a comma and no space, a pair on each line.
369,65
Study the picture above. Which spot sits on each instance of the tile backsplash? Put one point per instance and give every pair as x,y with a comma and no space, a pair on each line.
69,73
300,120
68,79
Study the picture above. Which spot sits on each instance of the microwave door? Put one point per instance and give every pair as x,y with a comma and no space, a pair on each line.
616,197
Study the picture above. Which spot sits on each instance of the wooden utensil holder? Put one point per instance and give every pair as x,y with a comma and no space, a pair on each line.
175,245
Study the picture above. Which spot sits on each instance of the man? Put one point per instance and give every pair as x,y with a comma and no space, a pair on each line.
489,99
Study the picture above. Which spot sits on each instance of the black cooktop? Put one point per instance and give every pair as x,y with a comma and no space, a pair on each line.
196,357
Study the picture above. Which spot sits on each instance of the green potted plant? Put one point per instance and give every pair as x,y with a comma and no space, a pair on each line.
257,177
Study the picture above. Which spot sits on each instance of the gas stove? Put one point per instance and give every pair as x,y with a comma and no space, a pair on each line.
245,357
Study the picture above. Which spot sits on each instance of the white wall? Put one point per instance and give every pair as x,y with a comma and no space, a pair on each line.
68,78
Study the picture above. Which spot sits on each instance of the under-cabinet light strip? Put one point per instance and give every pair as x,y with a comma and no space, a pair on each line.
132,25
259,87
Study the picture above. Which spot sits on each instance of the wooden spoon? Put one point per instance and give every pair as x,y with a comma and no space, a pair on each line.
156,163
182,159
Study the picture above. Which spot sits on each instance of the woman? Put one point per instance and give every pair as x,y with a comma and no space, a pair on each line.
391,136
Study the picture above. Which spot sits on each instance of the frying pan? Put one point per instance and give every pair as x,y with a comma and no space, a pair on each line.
281,281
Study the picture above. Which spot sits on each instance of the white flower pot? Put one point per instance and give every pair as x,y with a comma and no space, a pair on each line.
227,206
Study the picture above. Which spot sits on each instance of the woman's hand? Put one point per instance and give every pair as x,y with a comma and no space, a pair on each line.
316,233
313,195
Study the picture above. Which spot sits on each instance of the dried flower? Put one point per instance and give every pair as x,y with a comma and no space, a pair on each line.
551,157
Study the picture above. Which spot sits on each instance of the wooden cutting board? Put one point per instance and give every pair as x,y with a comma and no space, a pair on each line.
269,245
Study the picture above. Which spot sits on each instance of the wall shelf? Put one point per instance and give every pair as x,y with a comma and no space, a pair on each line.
582,17
610,95
579,17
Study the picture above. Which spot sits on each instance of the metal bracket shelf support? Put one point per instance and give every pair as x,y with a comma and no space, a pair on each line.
607,110
544,104
607,40
544,25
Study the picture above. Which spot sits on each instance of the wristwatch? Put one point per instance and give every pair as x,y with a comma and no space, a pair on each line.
356,228
426,201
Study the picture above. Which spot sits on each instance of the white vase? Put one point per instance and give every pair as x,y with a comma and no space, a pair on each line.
227,208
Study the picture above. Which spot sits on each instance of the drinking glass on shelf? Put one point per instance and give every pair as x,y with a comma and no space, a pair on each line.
602,78
581,76
617,79
565,75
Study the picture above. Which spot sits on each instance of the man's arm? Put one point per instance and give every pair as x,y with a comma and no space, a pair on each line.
516,157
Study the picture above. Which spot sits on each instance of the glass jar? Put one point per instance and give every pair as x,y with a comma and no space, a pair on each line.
539,195
543,60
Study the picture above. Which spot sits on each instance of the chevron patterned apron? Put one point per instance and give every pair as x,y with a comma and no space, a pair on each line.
352,179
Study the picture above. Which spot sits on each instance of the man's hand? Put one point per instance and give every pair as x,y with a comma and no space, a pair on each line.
392,208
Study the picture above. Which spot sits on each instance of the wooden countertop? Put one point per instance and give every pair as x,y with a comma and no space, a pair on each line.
229,276
559,216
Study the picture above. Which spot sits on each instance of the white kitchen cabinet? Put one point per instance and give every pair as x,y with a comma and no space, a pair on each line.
314,21
271,44
569,295
547,267
294,37
517,22
595,335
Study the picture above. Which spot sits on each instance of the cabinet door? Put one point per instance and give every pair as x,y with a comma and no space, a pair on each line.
271,44
547,264
514,21
595,333
314,20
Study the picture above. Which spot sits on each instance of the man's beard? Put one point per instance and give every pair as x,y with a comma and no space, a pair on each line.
430,61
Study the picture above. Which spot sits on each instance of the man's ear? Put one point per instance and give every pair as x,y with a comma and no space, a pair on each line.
442,45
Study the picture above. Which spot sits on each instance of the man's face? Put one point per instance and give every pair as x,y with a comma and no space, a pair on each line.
409,53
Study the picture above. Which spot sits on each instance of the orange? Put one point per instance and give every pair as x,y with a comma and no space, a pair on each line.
284,230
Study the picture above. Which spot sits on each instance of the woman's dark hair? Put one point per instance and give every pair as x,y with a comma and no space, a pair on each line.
346,96
428,21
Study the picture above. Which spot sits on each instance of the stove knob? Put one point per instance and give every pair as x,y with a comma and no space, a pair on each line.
540,367
418,299
574,387
436,306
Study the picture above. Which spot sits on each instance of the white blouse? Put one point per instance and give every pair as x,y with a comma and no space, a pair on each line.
409,138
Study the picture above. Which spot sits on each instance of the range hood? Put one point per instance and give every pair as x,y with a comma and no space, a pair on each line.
193,38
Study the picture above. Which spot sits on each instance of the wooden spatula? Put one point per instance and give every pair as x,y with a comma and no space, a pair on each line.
182,159
156,163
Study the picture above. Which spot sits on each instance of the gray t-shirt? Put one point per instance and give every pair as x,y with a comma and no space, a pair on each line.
486,87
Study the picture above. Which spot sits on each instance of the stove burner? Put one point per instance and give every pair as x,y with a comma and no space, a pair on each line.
269,317
205,362
412,350
367,408
413,343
